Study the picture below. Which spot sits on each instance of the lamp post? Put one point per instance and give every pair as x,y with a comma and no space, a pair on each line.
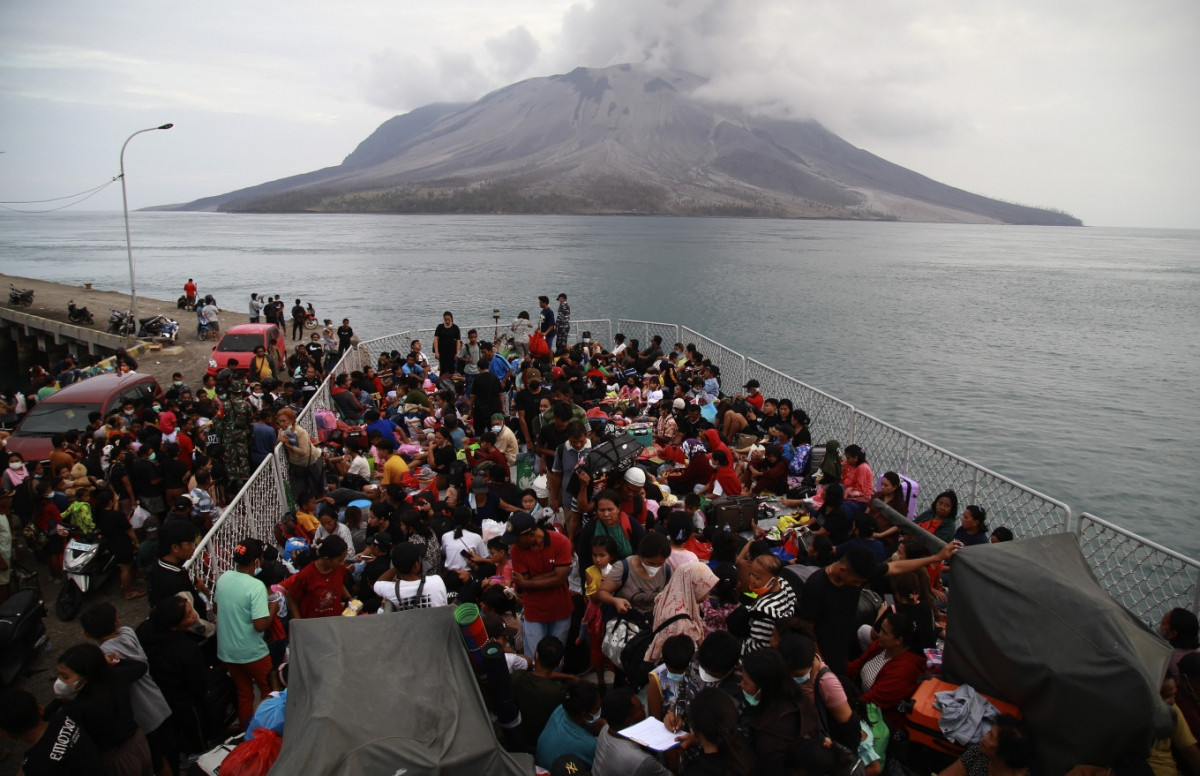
133,307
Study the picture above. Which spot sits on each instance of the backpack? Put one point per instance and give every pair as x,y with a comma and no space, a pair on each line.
798,466
405,603
847,733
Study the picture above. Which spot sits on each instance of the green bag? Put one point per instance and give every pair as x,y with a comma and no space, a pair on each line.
525,472
874,719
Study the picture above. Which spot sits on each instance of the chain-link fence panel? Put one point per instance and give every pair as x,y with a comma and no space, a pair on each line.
1026,512
731,363
254,511
644,332
599,328
1146,577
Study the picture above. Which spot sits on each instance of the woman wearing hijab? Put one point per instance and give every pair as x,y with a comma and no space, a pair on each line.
712,440
689,585
697,472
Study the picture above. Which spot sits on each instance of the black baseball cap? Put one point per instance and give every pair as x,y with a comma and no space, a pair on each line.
518,525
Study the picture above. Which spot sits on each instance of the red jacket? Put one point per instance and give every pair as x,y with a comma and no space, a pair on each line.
897,681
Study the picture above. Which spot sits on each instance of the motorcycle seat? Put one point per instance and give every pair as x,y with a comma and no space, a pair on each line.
18,603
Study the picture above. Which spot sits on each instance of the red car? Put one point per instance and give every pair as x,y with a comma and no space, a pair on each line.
238,342
69,408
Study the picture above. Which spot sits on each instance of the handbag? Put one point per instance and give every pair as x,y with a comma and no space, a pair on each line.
618,632
537,345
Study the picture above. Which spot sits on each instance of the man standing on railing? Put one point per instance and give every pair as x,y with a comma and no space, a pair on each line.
546,327
562,323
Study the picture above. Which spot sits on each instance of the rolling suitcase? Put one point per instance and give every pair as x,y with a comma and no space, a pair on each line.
922,720
733,513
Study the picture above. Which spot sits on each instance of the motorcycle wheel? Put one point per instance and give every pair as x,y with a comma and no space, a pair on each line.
202,334
310,323
69,601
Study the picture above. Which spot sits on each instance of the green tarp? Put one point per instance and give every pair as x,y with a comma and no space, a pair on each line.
388,694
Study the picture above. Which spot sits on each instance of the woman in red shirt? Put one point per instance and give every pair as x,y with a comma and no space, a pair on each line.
723,475
320,587
858,481
890,670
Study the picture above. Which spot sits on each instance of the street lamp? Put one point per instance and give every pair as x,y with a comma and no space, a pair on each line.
133,308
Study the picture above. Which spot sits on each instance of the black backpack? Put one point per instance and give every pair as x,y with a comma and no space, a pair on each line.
633,656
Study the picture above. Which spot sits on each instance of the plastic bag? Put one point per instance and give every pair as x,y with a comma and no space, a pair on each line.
254,757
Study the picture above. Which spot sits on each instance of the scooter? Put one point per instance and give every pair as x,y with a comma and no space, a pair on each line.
78,314
202,327
120,323
310,319
158,327
87,565
20,297
22,633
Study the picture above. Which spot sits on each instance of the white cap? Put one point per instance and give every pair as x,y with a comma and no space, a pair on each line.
635,476
679,404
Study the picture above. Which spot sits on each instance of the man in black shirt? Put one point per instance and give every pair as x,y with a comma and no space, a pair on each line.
298,316
176,543
526,404
146,477
830,599
308,384
344,334
316,351
58,746
485,397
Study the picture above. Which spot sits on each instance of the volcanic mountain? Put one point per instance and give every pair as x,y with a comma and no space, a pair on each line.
622,139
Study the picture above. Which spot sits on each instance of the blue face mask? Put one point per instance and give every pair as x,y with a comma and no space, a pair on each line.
802,679
751,700
591,718
674,677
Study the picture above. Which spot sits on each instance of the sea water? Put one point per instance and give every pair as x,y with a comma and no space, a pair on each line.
1066,359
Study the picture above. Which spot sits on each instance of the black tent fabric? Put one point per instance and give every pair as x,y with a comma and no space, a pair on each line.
388,694
1029,624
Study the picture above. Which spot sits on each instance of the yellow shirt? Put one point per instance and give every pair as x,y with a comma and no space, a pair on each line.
394,470
591,584
1161,761
308,522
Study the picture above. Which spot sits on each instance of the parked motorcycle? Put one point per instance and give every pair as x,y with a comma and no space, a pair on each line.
78,314
19,297
120,323
22,633
158,327
87,565
310,318
203,328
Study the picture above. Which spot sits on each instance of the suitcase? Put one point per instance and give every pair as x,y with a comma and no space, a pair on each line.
733,513
922,720
909,488
643,433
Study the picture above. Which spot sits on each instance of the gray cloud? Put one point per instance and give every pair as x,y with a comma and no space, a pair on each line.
513,52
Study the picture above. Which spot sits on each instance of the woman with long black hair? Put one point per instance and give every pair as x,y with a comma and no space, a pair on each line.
778,712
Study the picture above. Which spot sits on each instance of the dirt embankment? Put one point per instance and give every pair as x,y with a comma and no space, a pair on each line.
187,354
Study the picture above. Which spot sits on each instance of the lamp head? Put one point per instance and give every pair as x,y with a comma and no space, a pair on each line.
166,126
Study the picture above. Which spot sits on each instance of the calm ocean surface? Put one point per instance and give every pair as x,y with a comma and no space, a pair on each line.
1066,359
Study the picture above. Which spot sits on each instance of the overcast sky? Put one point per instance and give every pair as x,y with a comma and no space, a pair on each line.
1090,106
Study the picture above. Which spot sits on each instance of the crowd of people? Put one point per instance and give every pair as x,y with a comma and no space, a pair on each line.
478,475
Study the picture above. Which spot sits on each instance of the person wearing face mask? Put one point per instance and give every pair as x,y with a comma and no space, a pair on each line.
632,585
572,727
506,440
778,713
244,611
667,678
821,685
96,694
146,475
775,600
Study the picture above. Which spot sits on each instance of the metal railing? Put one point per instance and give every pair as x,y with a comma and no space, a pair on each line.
1146,577
644,331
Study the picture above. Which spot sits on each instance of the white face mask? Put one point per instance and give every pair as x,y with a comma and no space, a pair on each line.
651,571
706,677
64,690
16,466
607,567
